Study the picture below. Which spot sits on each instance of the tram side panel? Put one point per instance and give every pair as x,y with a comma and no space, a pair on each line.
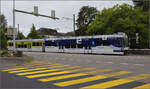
73,46
51,46
36,46
105,46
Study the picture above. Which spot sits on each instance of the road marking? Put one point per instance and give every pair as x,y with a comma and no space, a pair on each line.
110,62
145,86
139,64
13,69
124,63
26,67
121,81
93,78
37,69
72,75
56,73
34,72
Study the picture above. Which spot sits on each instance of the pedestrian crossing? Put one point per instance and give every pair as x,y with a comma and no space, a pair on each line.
66,75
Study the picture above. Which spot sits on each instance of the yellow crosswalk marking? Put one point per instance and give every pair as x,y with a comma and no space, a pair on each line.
72,75
145,86
36,69
121,81
42,71
13,69
26,67
84,80
56,73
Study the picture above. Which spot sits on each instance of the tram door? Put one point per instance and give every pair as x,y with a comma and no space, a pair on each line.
61,46
29,46
87,46
43,46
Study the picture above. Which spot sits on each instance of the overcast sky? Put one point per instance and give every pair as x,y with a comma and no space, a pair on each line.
63,9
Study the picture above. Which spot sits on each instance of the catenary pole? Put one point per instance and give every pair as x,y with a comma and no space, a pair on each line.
0,25
74,24
13,25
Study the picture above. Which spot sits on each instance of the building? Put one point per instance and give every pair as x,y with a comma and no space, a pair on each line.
48,33
9,32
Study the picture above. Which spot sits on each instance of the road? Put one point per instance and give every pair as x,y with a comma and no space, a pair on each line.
119,72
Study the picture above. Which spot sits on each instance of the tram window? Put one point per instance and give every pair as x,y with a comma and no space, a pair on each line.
25,46
73,43
48,43
67,46
116,42
98,43
37,44
106,42
80,46
18,46
54,44
73,46
33,43
9,44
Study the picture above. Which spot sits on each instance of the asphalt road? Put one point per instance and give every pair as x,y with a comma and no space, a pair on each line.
134,64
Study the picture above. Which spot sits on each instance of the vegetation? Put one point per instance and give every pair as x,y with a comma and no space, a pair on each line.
20,36
122,18
3,22
142,3
33,33
85,17
3,39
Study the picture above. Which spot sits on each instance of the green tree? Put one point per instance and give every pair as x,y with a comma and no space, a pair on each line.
20,36
3,22
33,33
122,18
3,40
85,17
142,3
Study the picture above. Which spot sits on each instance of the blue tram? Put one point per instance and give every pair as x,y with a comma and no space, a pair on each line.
100,44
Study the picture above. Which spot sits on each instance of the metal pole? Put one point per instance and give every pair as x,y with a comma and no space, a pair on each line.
13,25
0,25
0,6
18,28
74,24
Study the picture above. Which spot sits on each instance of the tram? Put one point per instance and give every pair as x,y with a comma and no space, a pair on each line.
99,44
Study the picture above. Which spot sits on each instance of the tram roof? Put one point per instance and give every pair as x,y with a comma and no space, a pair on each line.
79,37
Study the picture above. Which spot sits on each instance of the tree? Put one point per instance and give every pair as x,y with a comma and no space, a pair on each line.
3,22
33,33
20,36
123,18
85,17
3,40
142,3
